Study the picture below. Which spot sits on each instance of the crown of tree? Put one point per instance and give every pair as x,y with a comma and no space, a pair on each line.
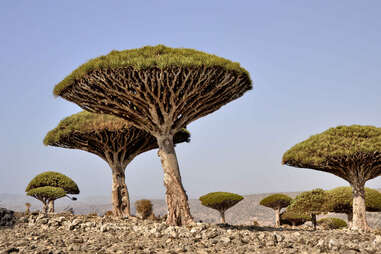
53,179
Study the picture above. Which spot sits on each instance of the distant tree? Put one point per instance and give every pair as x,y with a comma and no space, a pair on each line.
276,202
49,186
111,138
27,210
160,90
220,201
350,152
341,200
310,203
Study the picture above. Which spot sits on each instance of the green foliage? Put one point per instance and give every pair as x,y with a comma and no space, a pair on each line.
293,217
144,208
309,202
220,200
342,141
53,179
276,201
332,223
158,56
341,200
86,123
47,192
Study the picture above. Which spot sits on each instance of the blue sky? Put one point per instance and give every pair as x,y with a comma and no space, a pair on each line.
315,65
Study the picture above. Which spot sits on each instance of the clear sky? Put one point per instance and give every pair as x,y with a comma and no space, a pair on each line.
315,65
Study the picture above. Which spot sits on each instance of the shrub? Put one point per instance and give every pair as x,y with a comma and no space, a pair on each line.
332,223
27,210
220,201
144,208
109,214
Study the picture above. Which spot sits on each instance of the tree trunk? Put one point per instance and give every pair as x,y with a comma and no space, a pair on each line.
51,206
120,196
177,200
359,216
222,213
313,218
44,206
350,219
277,217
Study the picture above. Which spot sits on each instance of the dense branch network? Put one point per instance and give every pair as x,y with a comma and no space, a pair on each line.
158,100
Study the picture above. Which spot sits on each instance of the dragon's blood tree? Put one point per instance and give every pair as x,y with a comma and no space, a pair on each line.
350,152
114,140
49,186
220,201
276,202
341,200
159,90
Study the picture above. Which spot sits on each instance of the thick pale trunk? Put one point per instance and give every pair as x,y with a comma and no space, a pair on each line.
277,217
359,212
177,200
51,206
222,214
120,196
44,206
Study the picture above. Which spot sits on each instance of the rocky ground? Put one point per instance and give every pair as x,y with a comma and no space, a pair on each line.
64,233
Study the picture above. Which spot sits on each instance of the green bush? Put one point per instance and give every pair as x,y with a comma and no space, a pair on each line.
332,223
144,208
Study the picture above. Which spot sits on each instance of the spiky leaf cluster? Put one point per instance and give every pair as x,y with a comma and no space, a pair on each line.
276,201
340,150
158,56
341,200
220,200
309,202
47,193
53,179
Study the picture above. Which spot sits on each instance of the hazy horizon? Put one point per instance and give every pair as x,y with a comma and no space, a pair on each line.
315,65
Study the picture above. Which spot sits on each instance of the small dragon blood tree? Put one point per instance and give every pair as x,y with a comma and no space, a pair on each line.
159,90
341,200
114,140
276,202
49,186
350,152
220,201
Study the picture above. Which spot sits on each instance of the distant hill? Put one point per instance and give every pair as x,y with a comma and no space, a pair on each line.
244,212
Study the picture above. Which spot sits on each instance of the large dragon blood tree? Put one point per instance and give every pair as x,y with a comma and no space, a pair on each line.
160,90
350,152
114,140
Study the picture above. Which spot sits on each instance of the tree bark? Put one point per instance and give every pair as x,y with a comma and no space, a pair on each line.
222,214
359,210
175,195
277,217
51,206
120,196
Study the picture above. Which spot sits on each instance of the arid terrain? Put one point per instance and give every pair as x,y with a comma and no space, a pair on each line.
244,212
